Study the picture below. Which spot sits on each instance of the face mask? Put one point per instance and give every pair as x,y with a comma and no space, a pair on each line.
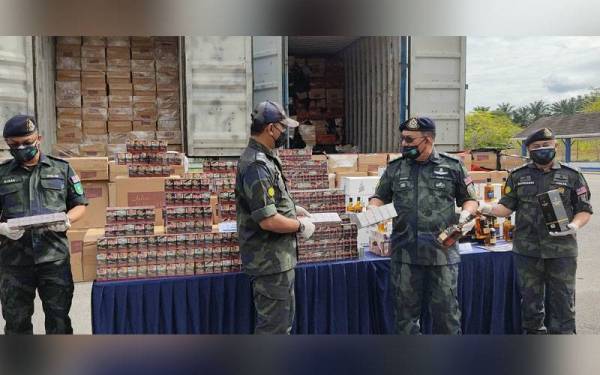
412,152
542,156
281,140
23,154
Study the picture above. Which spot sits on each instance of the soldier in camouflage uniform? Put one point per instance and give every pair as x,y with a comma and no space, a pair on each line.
545,261
34,184
424,186
268,220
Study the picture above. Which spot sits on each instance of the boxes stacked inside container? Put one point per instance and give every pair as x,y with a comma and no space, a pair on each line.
302,172
113,89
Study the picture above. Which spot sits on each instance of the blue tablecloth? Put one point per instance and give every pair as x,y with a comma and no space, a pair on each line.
349,297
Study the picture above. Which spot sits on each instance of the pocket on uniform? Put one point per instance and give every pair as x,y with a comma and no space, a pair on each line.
54,193
271,287
11,199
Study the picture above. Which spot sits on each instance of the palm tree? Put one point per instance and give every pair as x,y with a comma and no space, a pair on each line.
566,107
505,109
522,116
538,110
481,108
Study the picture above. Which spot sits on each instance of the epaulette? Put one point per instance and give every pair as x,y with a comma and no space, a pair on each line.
261,157
518,168
571,167
56,158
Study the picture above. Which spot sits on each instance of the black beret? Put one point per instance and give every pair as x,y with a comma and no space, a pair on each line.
544,134
19,126
423,124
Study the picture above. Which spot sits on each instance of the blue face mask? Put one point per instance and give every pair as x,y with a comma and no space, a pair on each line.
543,156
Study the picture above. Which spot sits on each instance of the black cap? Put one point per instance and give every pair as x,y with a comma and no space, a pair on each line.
544,134
422,124
270,112
19,126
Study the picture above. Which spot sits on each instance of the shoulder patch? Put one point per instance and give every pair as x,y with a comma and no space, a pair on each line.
75,179
569,166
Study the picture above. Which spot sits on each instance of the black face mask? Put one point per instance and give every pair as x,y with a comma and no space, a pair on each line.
24,154
281,140
412,152
543,156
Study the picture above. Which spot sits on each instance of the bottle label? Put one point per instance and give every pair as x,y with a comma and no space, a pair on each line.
490,194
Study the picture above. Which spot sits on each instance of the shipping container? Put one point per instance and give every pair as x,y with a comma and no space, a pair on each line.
384,80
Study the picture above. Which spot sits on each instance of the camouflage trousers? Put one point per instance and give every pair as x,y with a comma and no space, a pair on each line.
431,287
547,294
275,303
54,284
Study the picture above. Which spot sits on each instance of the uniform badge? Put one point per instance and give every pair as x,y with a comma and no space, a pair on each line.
582,190
77,184
561,190
271,192
547,132
507,189
413,124
29,126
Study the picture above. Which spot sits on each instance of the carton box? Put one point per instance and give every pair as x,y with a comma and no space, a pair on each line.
65,150
142,53
117,41
93,51
145,113
67,89
119,126
68,63
94,127
73,101
142,191
363,187
342,163
117,171
120,114
89,252
465,157
498,176
93,75
94,114
66,123
335,98
75,238
118,53
120,101
69,135
68,40
113,148
485,159
168,125
96,101
76,267
394,156
93,64
68,75
95,138
92,149
118,65
144,100
172,137
479,177
553,211
138,65
90,168
121,89
118,74
112,194
94,41
95,213
371,162
163,66
508,162
341,177
144,126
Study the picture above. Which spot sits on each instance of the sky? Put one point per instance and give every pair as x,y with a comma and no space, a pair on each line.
521,70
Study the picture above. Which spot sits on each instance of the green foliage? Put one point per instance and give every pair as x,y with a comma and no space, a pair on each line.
481,108
489,129
593,106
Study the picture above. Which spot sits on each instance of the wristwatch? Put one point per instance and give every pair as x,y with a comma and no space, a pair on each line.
300,227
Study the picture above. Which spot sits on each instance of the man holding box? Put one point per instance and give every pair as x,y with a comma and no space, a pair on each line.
424,186
546,262
38,258
268,220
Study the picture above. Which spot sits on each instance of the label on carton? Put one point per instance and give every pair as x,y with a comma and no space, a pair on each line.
93,192
155,199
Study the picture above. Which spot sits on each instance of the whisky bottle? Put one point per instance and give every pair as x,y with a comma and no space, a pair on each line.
350,207
453,233
488,191
358,207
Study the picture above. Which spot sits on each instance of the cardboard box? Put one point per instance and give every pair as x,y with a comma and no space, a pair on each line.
120,114
123,89
89,252
485,159
75,238
342,163
360,186
68,75
335,98
66,123
172,137
145,113
175,148
119,126
465,157
87,75
93,150
479,177
113,148
118,53
509,162
331,177
95,101
117,171
68,40
119,138
120,101
95,138
142,52
371,162
142,191
94,127
94,114
67,89
163,66
94,83
77,267
110,74
144,126
118,65
142,65
112,194
68,63
95,213
341,176
65,150
498,176
118,41
93,64
94,41
90,168
146,100
69,135
73,101
169,125
93,51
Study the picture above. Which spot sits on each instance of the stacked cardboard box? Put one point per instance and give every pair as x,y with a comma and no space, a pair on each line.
113,89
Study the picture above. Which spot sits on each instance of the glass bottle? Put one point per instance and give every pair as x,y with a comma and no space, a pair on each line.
453,233
350,207
488,191
507,229
358,207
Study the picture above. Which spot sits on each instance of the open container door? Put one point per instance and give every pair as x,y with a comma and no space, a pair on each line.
269,69
218,94
16,80
437,72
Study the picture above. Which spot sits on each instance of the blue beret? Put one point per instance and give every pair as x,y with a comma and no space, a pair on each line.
422,124
544,134
19,126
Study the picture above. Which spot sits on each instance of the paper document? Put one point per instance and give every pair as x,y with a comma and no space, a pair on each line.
325,217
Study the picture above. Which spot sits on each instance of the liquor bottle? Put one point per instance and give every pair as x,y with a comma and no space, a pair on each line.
350,207
507,229
503,187
453,233
488,191
492,236
496,226
358,207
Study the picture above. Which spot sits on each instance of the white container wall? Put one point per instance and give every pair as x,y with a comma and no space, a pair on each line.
218,85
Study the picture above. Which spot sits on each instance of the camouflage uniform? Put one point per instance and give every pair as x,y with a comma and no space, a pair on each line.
269,258
545,265
423,272
40,259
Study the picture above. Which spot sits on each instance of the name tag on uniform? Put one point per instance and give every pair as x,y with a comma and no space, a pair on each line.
10,180
52,176
525,180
